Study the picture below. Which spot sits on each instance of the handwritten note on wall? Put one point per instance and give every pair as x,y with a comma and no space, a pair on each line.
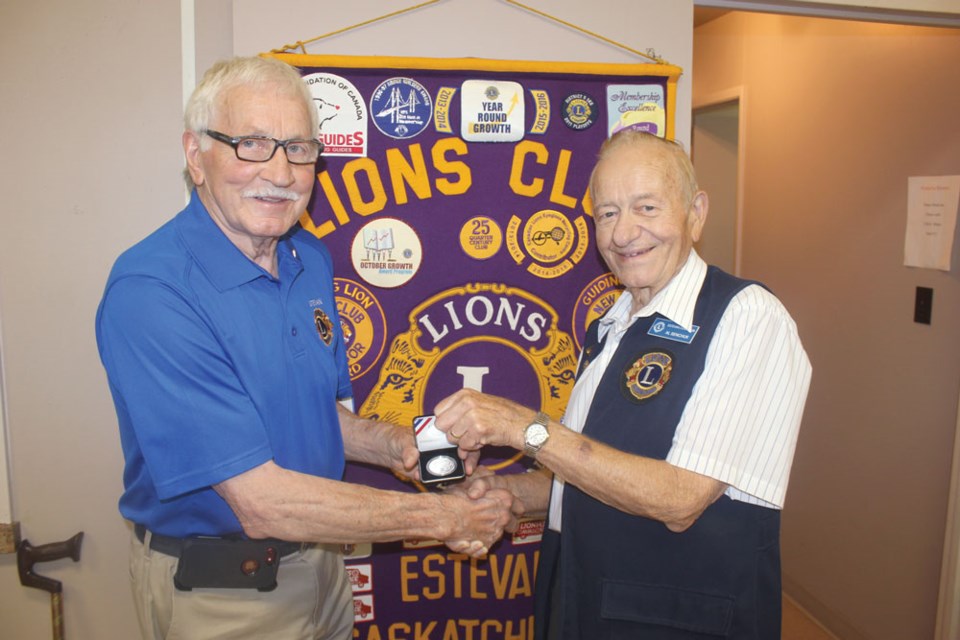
932,204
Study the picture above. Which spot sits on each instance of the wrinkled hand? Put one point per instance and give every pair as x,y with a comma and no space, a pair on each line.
471,459
473,420
480,521
403,454
477,485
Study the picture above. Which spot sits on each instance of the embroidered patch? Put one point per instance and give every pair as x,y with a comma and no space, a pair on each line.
342,114
362,323
672,331
324,326
401,108
579,111
646,376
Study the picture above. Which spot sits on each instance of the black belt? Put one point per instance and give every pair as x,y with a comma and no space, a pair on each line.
173,546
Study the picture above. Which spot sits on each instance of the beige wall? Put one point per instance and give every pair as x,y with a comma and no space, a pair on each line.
91,110
837,116
92,101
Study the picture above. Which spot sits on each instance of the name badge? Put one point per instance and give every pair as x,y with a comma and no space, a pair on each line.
669,330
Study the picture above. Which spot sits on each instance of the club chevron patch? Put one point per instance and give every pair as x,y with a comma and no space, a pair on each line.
594,300
646,376
364,325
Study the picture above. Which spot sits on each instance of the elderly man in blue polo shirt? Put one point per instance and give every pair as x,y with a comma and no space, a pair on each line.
224,354
671,464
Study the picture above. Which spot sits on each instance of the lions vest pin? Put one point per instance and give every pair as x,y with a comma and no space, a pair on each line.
324,326
646,376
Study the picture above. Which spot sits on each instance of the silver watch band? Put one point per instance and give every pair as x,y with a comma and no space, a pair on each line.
530,448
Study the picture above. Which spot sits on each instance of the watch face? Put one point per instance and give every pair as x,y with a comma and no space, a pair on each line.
537,434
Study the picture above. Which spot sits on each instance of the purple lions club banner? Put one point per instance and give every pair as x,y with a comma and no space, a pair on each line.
452,194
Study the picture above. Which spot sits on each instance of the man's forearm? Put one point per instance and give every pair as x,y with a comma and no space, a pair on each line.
634,484
273,502
377,443
531,491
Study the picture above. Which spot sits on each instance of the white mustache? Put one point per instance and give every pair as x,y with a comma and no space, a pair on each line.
271,192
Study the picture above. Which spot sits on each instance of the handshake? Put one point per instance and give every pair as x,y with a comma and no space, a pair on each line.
482,512
447,447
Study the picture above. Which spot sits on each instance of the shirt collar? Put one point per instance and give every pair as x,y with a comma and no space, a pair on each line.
222,262
676,301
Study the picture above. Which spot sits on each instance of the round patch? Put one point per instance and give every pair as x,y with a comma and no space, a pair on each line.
441,466
363,323
401,108
481,238
647,375
342,114
548,236
579,111
324,326
386,252
594,300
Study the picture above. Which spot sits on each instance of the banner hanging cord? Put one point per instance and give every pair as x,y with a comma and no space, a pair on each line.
648,56
301,44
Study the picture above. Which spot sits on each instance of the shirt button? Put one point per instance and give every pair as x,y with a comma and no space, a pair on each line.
293,331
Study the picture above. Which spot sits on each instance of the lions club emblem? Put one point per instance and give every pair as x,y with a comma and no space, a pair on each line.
324,326
647,375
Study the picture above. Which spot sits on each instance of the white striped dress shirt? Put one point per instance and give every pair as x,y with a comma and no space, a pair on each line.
741,422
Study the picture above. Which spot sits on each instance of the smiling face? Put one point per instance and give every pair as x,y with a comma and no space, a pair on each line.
253,203
646,222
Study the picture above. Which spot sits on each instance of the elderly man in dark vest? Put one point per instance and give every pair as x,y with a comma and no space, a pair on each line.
670,466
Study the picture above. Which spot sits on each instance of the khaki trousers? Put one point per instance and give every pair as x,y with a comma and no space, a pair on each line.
312,601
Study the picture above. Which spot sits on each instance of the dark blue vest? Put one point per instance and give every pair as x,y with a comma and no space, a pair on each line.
614,575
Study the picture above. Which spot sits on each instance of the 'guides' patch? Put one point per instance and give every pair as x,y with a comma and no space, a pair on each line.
341,112
646,376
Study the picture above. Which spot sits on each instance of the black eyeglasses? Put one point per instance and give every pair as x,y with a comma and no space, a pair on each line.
262,148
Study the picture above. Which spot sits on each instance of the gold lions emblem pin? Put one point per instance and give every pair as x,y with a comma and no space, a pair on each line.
324,326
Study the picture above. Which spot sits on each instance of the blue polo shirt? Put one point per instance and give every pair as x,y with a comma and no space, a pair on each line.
216,367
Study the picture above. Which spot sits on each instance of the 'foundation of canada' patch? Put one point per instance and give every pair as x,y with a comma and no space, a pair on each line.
646,376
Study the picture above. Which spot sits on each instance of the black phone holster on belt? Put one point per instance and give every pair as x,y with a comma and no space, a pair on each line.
221,563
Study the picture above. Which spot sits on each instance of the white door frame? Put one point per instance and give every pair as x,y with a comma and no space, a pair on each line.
948,605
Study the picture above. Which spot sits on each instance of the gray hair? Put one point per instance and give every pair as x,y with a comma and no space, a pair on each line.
225,75
682,177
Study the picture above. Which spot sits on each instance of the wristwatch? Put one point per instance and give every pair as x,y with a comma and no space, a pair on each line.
536,434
